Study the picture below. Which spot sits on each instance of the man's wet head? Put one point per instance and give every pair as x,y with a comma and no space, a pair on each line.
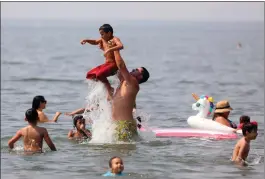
141,74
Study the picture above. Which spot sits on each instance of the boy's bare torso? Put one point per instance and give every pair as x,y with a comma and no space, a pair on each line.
105,46
33,138
242,143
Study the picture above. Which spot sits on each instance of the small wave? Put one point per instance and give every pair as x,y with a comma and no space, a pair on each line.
47,80
12,63
230,84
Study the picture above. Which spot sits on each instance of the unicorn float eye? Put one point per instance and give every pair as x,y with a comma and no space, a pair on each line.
198,104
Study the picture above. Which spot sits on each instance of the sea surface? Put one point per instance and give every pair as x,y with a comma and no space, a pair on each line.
46,58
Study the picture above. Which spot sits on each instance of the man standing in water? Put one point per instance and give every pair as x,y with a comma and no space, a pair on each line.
124,99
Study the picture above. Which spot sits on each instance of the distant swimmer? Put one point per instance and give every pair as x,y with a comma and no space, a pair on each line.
239,45
108,43
32,134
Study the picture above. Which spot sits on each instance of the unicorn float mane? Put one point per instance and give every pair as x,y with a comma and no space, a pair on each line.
204,104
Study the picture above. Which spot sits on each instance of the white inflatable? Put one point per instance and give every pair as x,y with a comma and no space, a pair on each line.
205,107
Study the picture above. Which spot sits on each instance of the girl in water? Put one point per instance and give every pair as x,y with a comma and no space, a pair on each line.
39,103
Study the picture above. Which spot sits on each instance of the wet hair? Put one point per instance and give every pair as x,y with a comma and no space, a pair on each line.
244,119
31,115
249,127
76,118
110,160
145,75
37,100
106,28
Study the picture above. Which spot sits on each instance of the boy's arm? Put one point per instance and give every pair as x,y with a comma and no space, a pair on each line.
122,67
14,139
92,42
118,46
48,140
242,149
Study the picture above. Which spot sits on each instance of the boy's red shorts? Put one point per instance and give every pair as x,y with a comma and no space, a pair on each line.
102,71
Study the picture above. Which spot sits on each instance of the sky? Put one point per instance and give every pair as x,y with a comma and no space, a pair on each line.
182,11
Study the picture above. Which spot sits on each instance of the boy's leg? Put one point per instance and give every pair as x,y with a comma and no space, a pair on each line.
108,69
110,90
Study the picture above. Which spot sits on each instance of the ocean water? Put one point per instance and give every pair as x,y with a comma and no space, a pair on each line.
46,58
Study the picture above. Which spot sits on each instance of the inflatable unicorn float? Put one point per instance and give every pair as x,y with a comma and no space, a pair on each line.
201,125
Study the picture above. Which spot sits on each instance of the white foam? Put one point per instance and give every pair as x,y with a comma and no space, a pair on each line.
102,127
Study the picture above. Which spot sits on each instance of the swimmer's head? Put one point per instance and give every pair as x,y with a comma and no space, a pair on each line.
106,31
39,102
116,165
250,130
244,119
32,116
141,74
78,121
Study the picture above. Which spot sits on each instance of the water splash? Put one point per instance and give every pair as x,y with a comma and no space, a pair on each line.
99,111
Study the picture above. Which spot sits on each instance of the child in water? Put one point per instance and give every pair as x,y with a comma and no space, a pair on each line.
242,120
108,43
81,131
116,167
32,134
242,147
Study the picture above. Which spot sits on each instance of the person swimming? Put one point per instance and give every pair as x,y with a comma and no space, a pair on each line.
81,132
116,167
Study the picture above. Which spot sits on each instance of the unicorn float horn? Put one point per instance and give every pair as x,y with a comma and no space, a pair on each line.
195,96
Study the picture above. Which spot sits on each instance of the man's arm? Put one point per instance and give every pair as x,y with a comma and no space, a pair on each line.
92,42
48,140
121,66
14,139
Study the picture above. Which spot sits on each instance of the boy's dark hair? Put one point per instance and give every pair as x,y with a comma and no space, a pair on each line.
37,100
249,127
106,28
31,115
244,119
76,118
110,160
145,75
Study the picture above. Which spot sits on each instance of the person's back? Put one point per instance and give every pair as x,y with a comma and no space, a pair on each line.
32,134
33,138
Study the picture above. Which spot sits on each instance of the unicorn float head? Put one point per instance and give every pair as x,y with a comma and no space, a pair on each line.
204,104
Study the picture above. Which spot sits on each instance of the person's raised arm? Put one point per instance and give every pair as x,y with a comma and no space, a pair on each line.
48,140
121,66
14,139
92,42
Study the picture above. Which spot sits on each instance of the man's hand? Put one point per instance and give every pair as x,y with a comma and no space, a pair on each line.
106,52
